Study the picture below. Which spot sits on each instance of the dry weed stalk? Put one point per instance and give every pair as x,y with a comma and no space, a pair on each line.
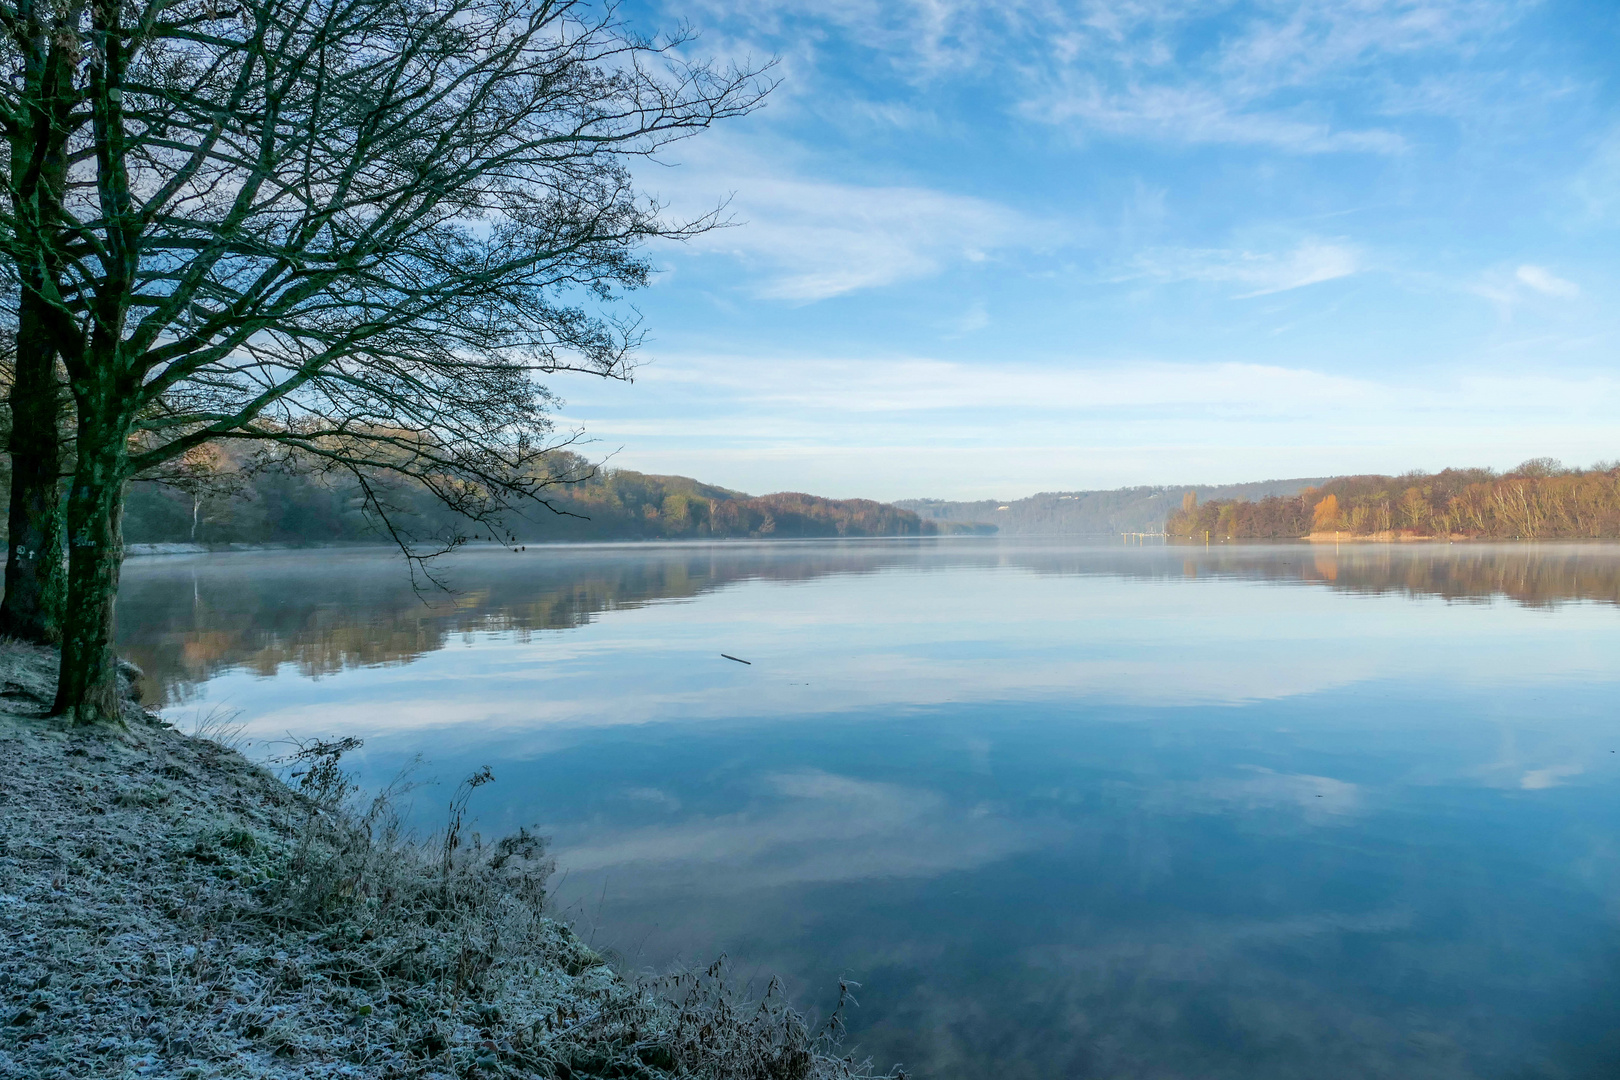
455,929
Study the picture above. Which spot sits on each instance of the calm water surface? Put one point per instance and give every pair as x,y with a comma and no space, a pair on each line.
1242,812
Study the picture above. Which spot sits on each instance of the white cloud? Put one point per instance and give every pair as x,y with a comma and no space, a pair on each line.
791,398
807,239
918,385
1259,273
1545,281
1508,289
888,426
1196,114
817,239
1311,76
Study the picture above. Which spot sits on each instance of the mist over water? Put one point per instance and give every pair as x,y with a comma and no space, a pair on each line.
1263,811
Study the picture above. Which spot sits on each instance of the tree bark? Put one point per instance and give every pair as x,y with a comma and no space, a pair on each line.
37,178
87,689
35,580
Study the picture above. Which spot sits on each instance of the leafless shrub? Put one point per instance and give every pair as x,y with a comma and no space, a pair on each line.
456,928
219,725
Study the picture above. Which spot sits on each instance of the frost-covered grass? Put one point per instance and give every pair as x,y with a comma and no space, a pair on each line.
168,908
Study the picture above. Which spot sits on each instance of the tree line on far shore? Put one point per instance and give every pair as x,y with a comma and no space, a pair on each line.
236,499
1539,500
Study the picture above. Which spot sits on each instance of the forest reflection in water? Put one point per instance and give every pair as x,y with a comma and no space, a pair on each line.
185,619
1245,812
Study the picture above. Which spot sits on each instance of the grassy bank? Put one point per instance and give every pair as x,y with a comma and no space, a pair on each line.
169,909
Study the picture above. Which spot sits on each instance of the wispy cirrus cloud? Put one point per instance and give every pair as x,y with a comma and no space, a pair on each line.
915,425
1199,114
816,239
1257,273
919,385
1309,77
1544,281
791,399
1303,77
1508,289
1125,173
1313,77
805,239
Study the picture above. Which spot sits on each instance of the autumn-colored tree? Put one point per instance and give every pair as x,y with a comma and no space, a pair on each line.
1539,499
1325,515
1415,509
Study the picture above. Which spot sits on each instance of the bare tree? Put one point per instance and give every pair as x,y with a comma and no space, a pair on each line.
202,474
42,110
354,227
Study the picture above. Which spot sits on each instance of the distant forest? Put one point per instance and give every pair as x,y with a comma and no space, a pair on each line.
1538,500
232,503
1089,513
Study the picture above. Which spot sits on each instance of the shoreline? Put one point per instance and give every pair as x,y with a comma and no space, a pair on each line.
170,909
1387,537
149,550
1392,537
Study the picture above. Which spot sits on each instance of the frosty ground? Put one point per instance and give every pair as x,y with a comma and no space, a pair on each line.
170,909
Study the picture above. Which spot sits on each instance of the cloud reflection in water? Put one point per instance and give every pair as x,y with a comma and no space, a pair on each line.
1247,812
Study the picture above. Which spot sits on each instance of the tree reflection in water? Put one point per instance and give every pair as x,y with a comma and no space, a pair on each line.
185,619
1065,810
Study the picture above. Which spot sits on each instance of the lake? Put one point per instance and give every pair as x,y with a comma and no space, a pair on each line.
1061,810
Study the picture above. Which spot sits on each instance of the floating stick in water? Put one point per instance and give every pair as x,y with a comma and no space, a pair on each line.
728,656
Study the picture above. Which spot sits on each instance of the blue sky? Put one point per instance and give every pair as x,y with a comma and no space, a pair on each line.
990,249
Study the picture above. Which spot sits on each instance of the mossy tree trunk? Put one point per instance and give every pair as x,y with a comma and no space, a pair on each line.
107,393
35,579
36,181
87,689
